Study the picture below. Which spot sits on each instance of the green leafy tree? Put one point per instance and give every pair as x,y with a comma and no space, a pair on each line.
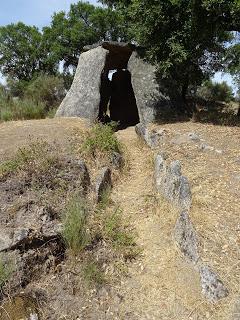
22,53
232,60
84,24
186,38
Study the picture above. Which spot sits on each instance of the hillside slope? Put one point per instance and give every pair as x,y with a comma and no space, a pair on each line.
160,284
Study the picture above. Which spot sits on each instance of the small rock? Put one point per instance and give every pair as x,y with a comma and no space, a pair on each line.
5,240
206,147
184,199
141,130
194,136
117,160
186,238
212,286
103,183
85,177
171,183
151,138
20,235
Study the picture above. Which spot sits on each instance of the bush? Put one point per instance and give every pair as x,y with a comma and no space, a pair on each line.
46,89
16,88
216,91
22,100
74,232
20,109
101,139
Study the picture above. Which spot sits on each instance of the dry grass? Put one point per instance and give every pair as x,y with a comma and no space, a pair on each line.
160,284
215,211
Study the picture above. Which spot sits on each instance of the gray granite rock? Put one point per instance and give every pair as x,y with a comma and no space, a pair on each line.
206,147
194,136
171,184
83,98
5,240
84,175
103,183
117,160
149,97
152,138
212,287
186,238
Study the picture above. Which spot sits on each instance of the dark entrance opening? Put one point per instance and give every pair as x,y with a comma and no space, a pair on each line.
123,107
118,102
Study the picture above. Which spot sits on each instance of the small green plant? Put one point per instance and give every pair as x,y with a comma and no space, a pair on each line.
93,274
101,139
36,159
5,272
115,231
74,231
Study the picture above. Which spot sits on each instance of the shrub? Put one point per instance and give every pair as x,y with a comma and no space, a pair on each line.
216,91
21,109
46,89
101,139
74,231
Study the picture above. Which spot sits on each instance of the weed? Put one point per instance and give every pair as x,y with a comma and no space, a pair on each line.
101,139
93,274
36,160
114,230
21,109
75,232
109,226
5,272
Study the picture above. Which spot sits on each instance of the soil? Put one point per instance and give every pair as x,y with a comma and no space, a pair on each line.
159,284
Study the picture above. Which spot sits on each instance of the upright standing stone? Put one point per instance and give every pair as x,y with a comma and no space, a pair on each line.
150,100
83,98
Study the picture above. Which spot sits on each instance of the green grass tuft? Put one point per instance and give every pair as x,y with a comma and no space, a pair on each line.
101,139
116,232
93,274
5,272
74,231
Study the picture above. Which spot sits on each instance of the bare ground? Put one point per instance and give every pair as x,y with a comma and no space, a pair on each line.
160,284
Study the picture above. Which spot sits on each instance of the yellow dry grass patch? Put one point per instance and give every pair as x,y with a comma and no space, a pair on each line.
162,284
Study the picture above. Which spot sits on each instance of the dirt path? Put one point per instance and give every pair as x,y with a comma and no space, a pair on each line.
161,285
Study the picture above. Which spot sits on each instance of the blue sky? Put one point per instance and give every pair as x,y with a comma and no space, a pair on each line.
32,12
39,12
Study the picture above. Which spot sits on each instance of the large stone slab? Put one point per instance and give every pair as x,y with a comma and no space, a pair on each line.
149,97
83,98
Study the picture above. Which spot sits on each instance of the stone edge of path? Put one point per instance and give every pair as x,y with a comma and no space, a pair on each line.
175,188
